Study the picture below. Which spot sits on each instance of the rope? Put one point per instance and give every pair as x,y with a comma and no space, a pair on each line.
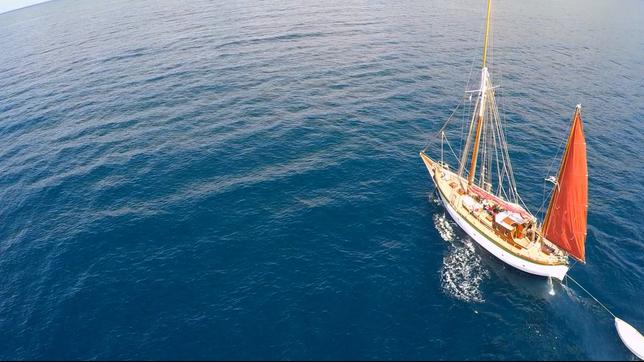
545,183
587,292
469,78
440,131
451,149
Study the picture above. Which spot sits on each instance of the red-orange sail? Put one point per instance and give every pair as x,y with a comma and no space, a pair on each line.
565,221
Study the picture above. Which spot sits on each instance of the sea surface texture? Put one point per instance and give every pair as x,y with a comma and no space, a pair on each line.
241,179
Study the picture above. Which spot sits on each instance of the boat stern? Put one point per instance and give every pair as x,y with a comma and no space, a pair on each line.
559,271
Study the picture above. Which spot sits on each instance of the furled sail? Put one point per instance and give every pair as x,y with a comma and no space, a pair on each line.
565,221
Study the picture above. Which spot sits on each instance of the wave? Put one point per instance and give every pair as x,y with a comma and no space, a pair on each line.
462,271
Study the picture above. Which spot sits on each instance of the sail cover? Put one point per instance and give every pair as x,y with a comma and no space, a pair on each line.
565,222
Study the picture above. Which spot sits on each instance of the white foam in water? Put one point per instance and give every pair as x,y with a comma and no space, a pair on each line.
462,273
435,199
444,228
551,287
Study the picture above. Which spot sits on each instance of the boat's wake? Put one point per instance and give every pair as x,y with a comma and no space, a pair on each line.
444,228
462,271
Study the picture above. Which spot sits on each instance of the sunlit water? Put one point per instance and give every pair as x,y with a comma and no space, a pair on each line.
241,180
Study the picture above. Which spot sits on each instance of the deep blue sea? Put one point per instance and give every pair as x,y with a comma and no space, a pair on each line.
241,179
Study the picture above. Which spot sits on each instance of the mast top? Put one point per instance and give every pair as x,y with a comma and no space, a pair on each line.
487,32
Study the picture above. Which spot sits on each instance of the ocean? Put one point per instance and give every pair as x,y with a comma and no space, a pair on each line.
241,180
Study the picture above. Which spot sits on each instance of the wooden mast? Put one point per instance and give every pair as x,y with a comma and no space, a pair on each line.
484,80
487,31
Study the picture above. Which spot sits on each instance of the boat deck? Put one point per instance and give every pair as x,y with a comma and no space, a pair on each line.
494,221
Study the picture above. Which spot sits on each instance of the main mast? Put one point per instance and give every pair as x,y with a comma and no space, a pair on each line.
479,116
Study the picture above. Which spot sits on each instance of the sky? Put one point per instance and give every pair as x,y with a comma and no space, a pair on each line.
8,5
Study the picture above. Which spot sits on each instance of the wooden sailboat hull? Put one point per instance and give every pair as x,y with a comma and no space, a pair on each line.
554,271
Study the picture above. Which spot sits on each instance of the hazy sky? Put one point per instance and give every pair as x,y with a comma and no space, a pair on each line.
8,5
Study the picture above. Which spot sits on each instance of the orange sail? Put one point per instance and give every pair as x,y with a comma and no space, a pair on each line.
565,221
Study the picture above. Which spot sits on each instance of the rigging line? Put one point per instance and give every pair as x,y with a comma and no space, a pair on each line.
501,122
467,87
504,155
469,107
523,203
474,56
481,158
543,199
506,172
469,78
509,172
496,157
484,156
492,144
513,184
465,116
444,126
501,171
514,190
543,202
506,194
545,183
468,140
491,50
488,162
451,149
514,194
495,113
592,296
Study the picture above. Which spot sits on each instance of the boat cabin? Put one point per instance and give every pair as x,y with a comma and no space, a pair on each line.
509,224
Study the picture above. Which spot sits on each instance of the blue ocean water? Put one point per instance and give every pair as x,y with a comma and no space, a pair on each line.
241,180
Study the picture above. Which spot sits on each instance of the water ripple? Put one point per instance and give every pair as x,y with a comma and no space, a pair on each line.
202,179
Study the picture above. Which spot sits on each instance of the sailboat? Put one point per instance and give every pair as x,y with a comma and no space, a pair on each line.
480,194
